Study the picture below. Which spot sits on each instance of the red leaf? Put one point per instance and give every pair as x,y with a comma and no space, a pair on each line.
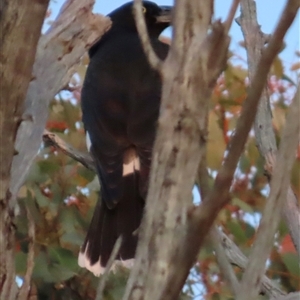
287,245
57,125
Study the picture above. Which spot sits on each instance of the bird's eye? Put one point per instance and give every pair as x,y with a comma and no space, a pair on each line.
144,9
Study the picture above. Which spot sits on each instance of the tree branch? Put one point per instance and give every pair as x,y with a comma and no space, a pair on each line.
264,133
190,71
219,196
223,261
203,216
59,52
291,296
110,263
214,235
291,214
223,243
236,257
231,14
20,24
207,211
271,215
84,158
154,61
22,36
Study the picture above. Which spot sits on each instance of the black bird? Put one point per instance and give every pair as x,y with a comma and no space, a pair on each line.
120,104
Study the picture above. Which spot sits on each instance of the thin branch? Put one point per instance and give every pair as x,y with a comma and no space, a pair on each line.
264,133
84,158
110,263
236,257
207,211
25,289
232,251
154,61
263,128
223,262
291,214
271,215
290,296
230,17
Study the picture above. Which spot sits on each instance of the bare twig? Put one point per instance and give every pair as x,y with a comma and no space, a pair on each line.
271,215
109,265
291,214
207,211
223,262
154,61
236,257
25,289
231,14
232,251
84,158
209,208
264,133
291,296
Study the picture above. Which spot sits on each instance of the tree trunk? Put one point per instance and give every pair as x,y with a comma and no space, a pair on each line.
21,23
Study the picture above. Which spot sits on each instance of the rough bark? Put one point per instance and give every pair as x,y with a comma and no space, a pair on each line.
59,51
189,73
271,215
33,70
255,40
20,25
237,258
20,35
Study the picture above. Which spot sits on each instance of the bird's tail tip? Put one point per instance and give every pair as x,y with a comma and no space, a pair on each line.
96,268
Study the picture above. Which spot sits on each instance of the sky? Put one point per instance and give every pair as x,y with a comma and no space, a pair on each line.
268,15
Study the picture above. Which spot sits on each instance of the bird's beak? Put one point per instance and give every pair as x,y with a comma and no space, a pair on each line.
165,15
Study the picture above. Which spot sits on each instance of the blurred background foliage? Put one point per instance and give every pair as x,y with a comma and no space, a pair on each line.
60,195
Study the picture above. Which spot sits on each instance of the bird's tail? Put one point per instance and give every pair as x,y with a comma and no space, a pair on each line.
108,224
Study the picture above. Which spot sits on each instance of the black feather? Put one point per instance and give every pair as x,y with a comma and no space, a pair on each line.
120,104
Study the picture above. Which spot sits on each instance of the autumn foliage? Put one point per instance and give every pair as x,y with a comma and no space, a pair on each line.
60,194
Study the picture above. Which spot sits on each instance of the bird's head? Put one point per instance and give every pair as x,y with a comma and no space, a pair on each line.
157,17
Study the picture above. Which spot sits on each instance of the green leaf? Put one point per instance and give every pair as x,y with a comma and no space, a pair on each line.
242,205
35,175
48,166
72,238
236,229
41,200
291,262
86,173
21,262
41,269
60,273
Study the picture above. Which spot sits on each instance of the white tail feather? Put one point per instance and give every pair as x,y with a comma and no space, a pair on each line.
96,268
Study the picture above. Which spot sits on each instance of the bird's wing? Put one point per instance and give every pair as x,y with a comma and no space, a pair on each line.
104,117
